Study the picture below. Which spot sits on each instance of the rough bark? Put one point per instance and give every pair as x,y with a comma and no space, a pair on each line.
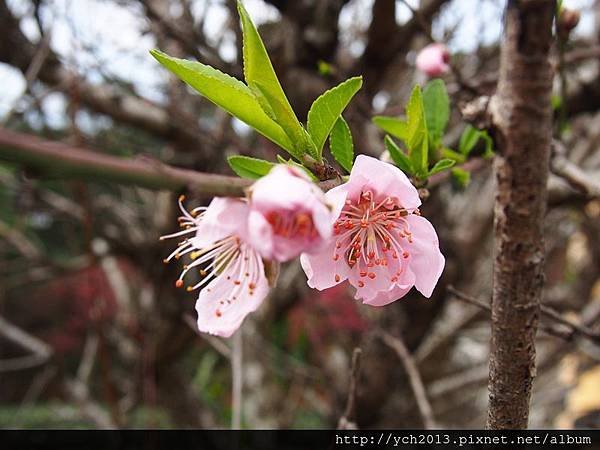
522,125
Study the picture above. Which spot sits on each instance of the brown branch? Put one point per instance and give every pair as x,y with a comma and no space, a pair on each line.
40,351
522,128
573,174
348,419
126,107
549,313
66,161
414,377
387,40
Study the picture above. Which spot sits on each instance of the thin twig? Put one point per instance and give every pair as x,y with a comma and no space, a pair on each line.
572,173
32,71
546,312
414,377
348,419
238,378
41,352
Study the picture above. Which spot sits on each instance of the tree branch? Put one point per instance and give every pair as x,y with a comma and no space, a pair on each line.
522,128
66,161
348,419
18,51
549,313
414,377
573,174
71,162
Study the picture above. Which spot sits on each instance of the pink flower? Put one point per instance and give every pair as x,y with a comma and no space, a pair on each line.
289,214
434,59
231,272
381,244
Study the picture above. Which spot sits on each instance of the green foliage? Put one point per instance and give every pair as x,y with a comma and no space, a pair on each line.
556,101
327,108
341,145
247,167
391,125
422,132
461,177
469,139
230,94
413,132
437,110
451,154
398,156
262,80
417,139
324,68
442,165
262,104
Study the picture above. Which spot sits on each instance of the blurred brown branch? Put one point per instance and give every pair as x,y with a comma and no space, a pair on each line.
348,420
549,313
72,162
414,377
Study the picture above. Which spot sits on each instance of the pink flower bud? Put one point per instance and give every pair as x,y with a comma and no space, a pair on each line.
380,242
433,60
288,215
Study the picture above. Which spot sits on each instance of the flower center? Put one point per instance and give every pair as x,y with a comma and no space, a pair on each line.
370,234
291,224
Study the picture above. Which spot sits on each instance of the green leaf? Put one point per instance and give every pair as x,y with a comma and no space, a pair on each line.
398,156
259,74
247,167
556,102
275,109
451,154
461,176
230,94
437,110
412,131
341,145
489,144
326,109
468,139
392,125
442,165
417,141
291,162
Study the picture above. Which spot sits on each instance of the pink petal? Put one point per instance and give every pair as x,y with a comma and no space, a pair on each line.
261,234
426,260
217,316
385,179
321,269
395,293
224,217
377,279
284,188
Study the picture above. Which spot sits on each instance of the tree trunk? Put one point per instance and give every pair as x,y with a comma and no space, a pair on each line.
522,127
